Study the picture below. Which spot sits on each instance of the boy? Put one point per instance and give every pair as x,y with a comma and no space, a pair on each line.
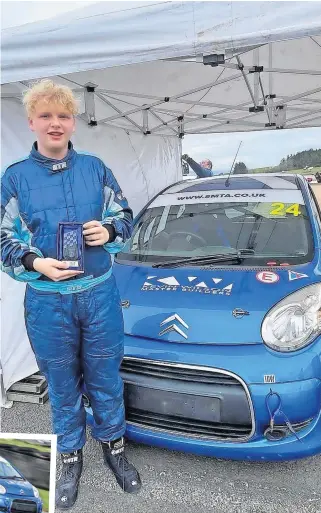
73,318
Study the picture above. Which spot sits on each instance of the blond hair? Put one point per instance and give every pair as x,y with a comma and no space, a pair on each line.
48,91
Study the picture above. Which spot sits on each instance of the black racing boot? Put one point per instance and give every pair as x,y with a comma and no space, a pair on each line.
125,473
68,482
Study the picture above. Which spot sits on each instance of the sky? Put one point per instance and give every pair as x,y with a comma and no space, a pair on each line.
258,149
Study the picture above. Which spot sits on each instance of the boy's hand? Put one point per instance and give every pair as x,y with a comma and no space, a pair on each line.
95,233
53,269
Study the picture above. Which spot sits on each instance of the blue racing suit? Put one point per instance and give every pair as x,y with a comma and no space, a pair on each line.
75,326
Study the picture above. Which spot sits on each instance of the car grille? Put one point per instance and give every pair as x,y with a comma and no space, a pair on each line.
188,427
23,506
177,373
297,426
194,391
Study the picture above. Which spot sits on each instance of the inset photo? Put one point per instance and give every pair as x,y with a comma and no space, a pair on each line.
27,473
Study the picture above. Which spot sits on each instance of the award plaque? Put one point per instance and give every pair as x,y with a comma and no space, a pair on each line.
70,245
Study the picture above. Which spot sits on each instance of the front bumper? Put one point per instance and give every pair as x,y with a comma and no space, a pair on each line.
19,504
161,411
259,449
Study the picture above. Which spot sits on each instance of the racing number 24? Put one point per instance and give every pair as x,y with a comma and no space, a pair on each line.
280,209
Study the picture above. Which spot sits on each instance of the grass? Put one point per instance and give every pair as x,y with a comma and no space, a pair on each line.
44,494
24,443
306,171
298,171
261,170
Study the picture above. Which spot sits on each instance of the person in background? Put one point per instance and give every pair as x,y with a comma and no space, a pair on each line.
203,169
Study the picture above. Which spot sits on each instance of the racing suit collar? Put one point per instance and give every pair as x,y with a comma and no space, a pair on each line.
53,165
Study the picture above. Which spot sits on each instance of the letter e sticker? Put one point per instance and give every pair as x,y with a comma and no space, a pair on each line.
267,277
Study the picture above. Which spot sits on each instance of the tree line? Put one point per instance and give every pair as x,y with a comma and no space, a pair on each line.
301,160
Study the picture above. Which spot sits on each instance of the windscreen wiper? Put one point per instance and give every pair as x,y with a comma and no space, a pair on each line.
238,257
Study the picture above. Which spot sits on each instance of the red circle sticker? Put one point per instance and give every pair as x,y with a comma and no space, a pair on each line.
267,277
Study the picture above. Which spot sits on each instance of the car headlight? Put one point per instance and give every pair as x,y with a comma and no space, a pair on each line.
36,493
2,490
295,321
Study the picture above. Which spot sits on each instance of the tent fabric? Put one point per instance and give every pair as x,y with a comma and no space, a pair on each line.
94,38
147,64
140,77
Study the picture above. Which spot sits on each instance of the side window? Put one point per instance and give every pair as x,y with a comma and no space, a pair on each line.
315,208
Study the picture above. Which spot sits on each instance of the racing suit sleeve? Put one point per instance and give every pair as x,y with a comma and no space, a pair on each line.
15,236
117,216
201,172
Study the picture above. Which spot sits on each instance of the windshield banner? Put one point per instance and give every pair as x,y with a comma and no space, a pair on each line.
237,196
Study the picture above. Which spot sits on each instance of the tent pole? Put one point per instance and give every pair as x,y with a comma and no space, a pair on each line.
298,125
89,92
164,123
305,115
146,130
169,98
246,80
301,95
270,69
271,96
122,114
256,77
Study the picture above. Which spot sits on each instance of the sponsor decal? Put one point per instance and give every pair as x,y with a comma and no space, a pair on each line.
296,276
169,281
269,378
291,199
117,451
120,196
267,277
74,459
171,284
60,166
280,209
222,195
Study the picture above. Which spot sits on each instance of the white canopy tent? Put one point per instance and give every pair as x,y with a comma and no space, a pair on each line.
147,75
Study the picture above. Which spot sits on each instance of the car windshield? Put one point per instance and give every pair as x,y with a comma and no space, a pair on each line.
6,470
273,225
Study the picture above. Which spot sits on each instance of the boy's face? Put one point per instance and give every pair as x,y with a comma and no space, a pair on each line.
53,125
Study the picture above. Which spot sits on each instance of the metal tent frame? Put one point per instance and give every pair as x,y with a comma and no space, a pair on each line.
265,105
